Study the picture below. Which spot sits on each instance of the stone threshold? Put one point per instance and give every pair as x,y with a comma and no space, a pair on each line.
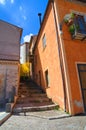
32,109
3,117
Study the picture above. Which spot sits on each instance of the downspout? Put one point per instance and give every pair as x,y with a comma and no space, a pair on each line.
60,57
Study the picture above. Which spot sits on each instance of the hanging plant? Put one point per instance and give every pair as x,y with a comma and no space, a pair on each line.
72,15
72,29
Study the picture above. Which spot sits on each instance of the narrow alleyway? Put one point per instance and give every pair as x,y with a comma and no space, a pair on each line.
32,98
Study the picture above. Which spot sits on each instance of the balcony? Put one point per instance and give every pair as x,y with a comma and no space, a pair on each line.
79,34
77,26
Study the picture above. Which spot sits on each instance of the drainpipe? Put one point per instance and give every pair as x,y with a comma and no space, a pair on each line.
60,57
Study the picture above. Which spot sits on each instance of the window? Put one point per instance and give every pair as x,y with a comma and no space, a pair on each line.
44,41
80,23
77,25
47,77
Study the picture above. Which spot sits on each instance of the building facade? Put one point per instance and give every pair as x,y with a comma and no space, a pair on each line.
31,56
60,54
9,61
24,48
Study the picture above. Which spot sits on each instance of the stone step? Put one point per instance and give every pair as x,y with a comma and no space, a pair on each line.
33,95
32,104
30,91
30,87
23,92
32,98
26,100
33,109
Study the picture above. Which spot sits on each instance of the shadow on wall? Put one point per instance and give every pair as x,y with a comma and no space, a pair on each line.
39,74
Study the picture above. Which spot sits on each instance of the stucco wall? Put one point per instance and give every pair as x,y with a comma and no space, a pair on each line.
48,58
75,52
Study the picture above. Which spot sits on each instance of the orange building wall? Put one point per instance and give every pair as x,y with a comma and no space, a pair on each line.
48,58
75,51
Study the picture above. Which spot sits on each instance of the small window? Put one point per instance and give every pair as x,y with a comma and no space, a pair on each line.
47,77
44,41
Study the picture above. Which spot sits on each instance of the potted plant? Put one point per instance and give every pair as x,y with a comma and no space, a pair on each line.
72,29
69,19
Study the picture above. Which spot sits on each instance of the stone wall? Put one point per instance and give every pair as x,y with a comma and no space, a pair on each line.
9,80
2,84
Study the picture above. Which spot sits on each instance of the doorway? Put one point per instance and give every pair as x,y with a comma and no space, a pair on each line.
39,77
82,77
2,89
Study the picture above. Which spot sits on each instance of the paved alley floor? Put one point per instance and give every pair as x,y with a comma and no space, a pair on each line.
34,122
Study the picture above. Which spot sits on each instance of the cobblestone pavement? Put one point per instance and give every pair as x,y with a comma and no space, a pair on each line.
34,122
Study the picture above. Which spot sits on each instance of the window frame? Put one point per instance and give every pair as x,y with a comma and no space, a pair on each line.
77,21
81,69
44,41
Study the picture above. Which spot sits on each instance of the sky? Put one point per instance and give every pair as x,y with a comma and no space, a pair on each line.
24,14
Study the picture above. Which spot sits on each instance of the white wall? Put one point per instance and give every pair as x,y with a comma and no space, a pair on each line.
22,53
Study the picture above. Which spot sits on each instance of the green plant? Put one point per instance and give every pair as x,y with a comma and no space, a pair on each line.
67,112
72,15
56,107
68,19
72,29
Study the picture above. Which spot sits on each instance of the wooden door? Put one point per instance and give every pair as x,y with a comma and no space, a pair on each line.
82,76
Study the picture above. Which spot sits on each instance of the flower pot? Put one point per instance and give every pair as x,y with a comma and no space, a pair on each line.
70,22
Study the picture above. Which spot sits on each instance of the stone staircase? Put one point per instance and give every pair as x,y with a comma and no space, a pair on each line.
32,98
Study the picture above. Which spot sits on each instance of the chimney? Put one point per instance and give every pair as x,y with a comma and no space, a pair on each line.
39,14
